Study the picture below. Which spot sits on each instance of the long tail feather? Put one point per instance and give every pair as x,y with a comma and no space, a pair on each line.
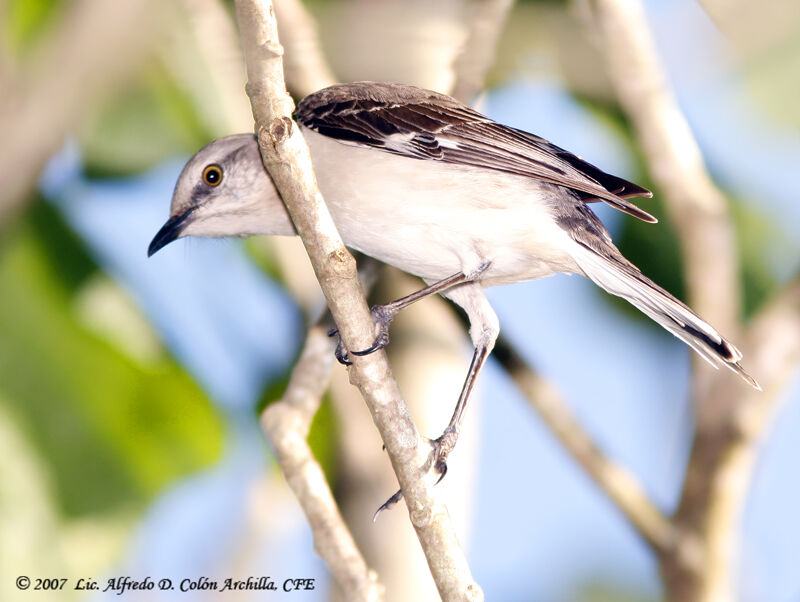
624,280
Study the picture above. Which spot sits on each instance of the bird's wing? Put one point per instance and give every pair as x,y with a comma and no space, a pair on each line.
421,124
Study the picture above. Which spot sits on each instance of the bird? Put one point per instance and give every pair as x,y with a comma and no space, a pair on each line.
420,181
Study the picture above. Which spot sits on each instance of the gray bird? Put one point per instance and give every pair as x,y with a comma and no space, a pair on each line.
422,182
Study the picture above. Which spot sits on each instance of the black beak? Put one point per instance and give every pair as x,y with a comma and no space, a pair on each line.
169,232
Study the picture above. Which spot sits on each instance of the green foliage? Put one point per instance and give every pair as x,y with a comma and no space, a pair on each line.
758,239
654,248
113,429
322,438
24,21
261,254
145,122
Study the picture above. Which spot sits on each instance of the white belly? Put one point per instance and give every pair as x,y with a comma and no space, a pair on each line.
433,219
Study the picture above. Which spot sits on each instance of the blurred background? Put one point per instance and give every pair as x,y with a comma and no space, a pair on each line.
130,388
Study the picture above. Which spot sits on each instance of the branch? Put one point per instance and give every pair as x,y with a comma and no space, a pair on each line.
478,53
215,86
286,158
696,208
713,501
427,356
306,68
730,419
204,57
287,422
772,340
621,486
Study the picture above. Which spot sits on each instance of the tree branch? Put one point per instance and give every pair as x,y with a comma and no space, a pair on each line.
287,422
713,501
306,68
477,55
621,486
286,158
730,419
696,207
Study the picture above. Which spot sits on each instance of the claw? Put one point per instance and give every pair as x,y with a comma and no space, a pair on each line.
438,458
380,342
441,449
441,468
388,504
341,352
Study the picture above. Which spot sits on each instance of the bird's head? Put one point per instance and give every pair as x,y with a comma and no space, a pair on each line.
224,190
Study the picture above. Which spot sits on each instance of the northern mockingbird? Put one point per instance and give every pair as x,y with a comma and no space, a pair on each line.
422,182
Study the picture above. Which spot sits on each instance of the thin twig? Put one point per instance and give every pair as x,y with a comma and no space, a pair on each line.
286,157
477,55
287,422
621,486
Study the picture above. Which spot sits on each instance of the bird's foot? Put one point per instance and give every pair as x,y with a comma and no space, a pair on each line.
436,460
382,316
441,449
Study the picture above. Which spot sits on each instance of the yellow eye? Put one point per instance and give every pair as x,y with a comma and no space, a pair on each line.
212,174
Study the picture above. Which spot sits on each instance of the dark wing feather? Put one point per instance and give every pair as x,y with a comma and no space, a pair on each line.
422,124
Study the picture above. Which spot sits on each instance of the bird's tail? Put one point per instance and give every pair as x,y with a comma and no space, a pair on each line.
622,279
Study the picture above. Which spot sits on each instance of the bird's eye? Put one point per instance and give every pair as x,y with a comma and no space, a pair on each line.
212,174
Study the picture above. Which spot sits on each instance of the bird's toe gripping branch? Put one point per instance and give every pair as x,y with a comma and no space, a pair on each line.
382,316
441,449
341,350
437,459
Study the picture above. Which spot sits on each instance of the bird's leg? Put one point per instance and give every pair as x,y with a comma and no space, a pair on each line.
383,315
444,444
484,328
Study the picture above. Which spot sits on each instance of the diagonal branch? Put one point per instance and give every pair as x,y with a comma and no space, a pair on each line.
306,68
287,423
286,157
477,55
621,486
696,207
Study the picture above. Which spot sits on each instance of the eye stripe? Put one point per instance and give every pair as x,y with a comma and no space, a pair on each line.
212,174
